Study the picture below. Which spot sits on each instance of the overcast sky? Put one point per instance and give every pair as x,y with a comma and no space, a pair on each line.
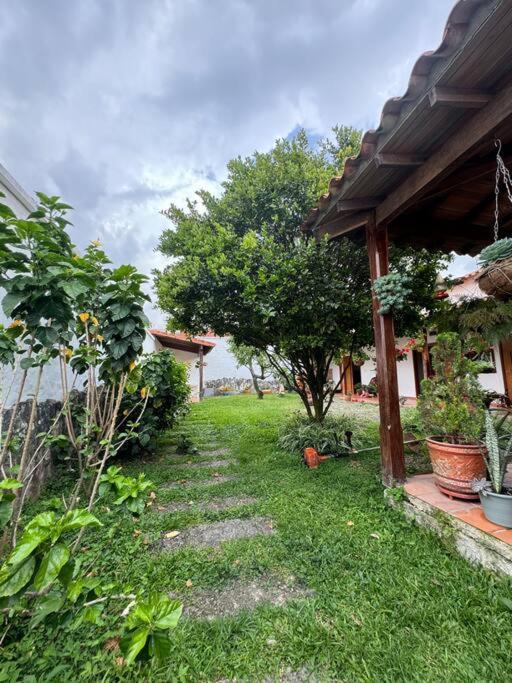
122,106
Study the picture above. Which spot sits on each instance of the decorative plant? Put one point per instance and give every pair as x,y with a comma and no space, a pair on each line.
328,437
185,445
497,251
148,627
496,458
393,292
129,490
451,403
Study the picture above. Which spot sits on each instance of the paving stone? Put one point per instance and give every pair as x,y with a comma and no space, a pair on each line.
215,453
200,483
215,505
205,463
210,535
240,595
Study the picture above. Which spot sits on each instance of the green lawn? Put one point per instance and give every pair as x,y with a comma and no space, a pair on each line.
391,603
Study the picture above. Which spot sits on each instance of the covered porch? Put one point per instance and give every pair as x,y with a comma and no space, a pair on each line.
426,176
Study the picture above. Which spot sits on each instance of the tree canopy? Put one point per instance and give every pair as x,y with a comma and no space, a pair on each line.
242,266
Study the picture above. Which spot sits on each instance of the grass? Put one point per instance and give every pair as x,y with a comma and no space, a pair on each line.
392,602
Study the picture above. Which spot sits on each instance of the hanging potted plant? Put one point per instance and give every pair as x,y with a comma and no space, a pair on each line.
496,498
451,408
359,358
496,276
496,259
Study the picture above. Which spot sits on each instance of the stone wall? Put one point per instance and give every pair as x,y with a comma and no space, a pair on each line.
47,411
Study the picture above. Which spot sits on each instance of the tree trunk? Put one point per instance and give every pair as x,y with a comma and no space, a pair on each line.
255,384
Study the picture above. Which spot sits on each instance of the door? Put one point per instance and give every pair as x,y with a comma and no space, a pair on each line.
506,358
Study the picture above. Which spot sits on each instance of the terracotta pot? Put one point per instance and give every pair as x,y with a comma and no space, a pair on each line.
456,466
496,279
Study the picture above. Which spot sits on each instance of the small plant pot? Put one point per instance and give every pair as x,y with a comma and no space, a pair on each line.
497,507
496,279
455,467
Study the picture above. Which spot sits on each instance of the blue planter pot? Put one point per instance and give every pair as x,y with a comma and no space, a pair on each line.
497,508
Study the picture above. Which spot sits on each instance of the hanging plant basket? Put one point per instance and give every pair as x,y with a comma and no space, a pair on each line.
496,279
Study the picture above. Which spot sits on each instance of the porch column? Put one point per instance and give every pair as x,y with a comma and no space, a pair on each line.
391,437
201,375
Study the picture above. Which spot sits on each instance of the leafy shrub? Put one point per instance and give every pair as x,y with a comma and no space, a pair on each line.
185,445
451,404
129,490
497,251
165,378
328,437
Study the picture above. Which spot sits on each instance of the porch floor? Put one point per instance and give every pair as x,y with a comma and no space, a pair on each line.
461,524
422,486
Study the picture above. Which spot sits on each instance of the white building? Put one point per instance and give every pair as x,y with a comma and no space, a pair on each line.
410,371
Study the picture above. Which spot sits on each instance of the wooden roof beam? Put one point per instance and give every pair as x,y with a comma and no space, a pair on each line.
397,160
453,152
343,225
440,96
357,204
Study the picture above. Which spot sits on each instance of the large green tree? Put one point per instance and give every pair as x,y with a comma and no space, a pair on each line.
241,265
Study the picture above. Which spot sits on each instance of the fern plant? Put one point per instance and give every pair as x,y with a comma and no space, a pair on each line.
497,251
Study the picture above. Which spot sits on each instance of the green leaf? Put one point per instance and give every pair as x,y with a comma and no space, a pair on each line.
74,288
18,579
10,484
29,541
168,613
133,643
159,645
45,605
76,519
10,301
27,363
51,564
6,506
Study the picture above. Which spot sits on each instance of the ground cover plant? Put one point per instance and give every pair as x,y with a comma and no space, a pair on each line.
389,601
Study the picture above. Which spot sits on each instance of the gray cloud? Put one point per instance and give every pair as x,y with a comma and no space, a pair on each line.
122,106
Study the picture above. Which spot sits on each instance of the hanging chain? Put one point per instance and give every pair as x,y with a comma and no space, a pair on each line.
501,172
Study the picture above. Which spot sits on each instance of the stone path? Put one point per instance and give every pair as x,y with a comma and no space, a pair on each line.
199,483
206,463
239,595
215,505
215,533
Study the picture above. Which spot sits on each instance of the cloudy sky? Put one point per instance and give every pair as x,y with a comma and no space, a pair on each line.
122,106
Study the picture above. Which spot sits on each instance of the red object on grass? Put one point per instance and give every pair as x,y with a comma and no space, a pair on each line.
312,458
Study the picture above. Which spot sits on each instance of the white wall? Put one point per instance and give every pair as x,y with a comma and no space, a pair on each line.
22,205
221,363
152,345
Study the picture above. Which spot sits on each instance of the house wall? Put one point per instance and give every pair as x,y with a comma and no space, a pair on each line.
22,204
152,345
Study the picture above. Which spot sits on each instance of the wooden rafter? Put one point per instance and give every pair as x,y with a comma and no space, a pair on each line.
440,96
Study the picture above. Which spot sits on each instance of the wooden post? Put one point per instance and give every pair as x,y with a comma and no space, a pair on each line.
201,376
391,437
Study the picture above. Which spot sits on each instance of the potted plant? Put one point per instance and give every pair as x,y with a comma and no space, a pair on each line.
496,499
496,276
451,409
359,358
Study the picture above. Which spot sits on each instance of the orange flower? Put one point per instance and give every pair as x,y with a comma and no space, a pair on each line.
84,317
95,320
68,352
16,323
133,365
99,338
143,392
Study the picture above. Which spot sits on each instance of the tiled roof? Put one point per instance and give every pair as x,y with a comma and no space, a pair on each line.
454,36
180,340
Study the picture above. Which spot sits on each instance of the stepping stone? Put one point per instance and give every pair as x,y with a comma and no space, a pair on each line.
211,535
206,463
238,595
216,453
199,483
215,505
